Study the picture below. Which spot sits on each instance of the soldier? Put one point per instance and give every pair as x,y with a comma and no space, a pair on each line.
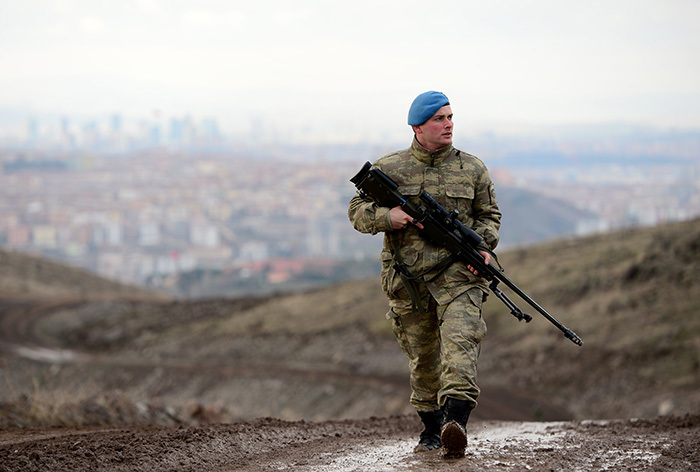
435,303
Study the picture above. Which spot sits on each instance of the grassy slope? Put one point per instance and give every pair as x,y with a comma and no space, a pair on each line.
24,274
631,296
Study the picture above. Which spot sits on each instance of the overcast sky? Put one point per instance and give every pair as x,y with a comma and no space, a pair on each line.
355,65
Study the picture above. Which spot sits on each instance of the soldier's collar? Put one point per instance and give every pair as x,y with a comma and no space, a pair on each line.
427,157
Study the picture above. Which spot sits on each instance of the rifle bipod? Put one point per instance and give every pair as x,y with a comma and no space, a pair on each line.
514,310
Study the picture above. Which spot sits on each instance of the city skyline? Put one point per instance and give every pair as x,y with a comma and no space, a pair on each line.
151,216
342,71
116,135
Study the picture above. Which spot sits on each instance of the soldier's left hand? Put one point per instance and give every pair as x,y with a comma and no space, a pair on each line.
487,260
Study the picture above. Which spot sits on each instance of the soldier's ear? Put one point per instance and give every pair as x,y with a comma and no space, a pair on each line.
417,129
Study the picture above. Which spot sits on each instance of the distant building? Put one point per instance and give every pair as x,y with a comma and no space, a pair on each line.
18,235
203,235
149,235
44,237
115,124
254,251
32,132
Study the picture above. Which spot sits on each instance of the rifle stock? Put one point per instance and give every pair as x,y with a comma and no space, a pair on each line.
442,228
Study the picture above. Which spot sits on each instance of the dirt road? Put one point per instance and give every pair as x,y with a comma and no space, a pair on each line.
381,444
364,445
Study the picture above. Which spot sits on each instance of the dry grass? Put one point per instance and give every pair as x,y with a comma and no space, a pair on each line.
632,296
30,275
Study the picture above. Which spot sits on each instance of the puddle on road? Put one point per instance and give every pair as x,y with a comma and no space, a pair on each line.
42,354
524,431
387,458
484,441
489,439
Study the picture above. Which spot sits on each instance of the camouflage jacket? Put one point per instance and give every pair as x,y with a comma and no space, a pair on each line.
455,179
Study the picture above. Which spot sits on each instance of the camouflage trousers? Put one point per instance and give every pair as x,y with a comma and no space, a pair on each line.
442,345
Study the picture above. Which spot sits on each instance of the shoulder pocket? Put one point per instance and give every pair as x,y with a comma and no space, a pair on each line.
459,191
460,197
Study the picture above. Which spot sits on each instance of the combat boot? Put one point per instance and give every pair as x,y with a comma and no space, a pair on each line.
430,436
454,431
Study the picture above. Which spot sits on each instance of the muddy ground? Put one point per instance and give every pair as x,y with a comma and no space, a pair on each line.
501,436
375,444
664,443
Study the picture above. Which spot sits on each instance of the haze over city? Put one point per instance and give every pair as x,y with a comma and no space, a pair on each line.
145,139
345,71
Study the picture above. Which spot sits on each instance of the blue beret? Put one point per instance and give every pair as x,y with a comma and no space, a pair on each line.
424,106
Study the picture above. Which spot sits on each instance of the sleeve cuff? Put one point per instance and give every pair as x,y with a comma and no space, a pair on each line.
382,219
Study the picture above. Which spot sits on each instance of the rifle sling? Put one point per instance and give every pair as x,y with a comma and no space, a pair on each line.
410,282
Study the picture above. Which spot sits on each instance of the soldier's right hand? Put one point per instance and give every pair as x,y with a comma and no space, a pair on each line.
400,219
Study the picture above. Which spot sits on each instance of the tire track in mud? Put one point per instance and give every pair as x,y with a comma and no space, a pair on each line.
19,317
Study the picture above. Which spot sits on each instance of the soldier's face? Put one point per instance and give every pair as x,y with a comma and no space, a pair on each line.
437,131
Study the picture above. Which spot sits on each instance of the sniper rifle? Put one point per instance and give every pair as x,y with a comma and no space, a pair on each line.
442,228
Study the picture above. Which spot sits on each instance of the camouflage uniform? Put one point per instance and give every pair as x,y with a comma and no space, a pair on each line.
440,334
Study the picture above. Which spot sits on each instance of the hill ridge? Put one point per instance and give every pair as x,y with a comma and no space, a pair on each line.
630,295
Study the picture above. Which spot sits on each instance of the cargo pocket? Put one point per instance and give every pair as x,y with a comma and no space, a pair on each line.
387,270
400,333
463,316
474,319
476,295
391,280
